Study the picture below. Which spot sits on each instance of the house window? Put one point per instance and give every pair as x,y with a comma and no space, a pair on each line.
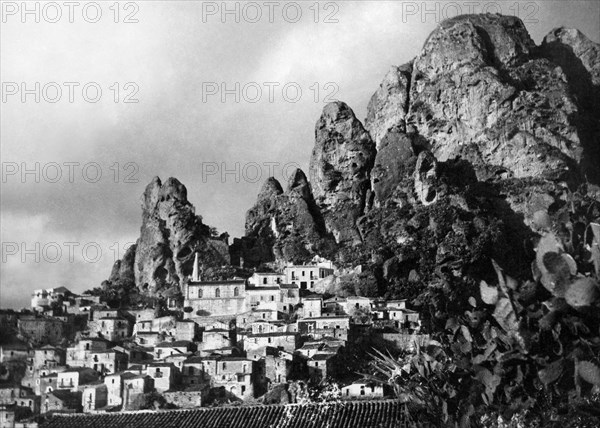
243,389
272,298
224,366
217,293
264,280
199,293
236,291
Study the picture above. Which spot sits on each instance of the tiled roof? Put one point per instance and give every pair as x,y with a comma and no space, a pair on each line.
363,414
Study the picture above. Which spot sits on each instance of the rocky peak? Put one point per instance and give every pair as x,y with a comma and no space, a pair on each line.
170,235
270,189
340,167
389,104
479,91
283,226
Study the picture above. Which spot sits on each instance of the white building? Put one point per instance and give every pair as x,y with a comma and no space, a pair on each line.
305,276
266,279
43,298
362,389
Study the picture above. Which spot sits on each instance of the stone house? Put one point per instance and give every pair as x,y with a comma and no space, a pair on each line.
80,353
94,397
186,330
215,339
109,361
75,377
148,338
329,326
165,375
216,298
14,350
62,400
161,324
289,298
287,341
244,319
164,349
263,297
235,375
135,353
111,328
354,303
232,373
312,306
321,365
266,279
48,356
197,370
191,398
41,330
361,389
134,388
44,298
305,276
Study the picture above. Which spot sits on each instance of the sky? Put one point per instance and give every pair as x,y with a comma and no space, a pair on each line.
100,97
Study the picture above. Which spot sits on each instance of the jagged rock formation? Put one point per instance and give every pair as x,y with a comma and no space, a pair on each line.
340,168
482,127
171,233
461,147
389,104
123,270
283,226
480,90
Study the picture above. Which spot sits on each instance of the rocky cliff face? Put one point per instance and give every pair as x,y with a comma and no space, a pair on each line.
283,226
340,168
460,148
483,126
170,235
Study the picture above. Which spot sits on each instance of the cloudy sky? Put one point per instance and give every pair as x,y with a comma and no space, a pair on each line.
76,159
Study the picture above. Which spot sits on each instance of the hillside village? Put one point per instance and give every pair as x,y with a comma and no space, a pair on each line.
263,339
